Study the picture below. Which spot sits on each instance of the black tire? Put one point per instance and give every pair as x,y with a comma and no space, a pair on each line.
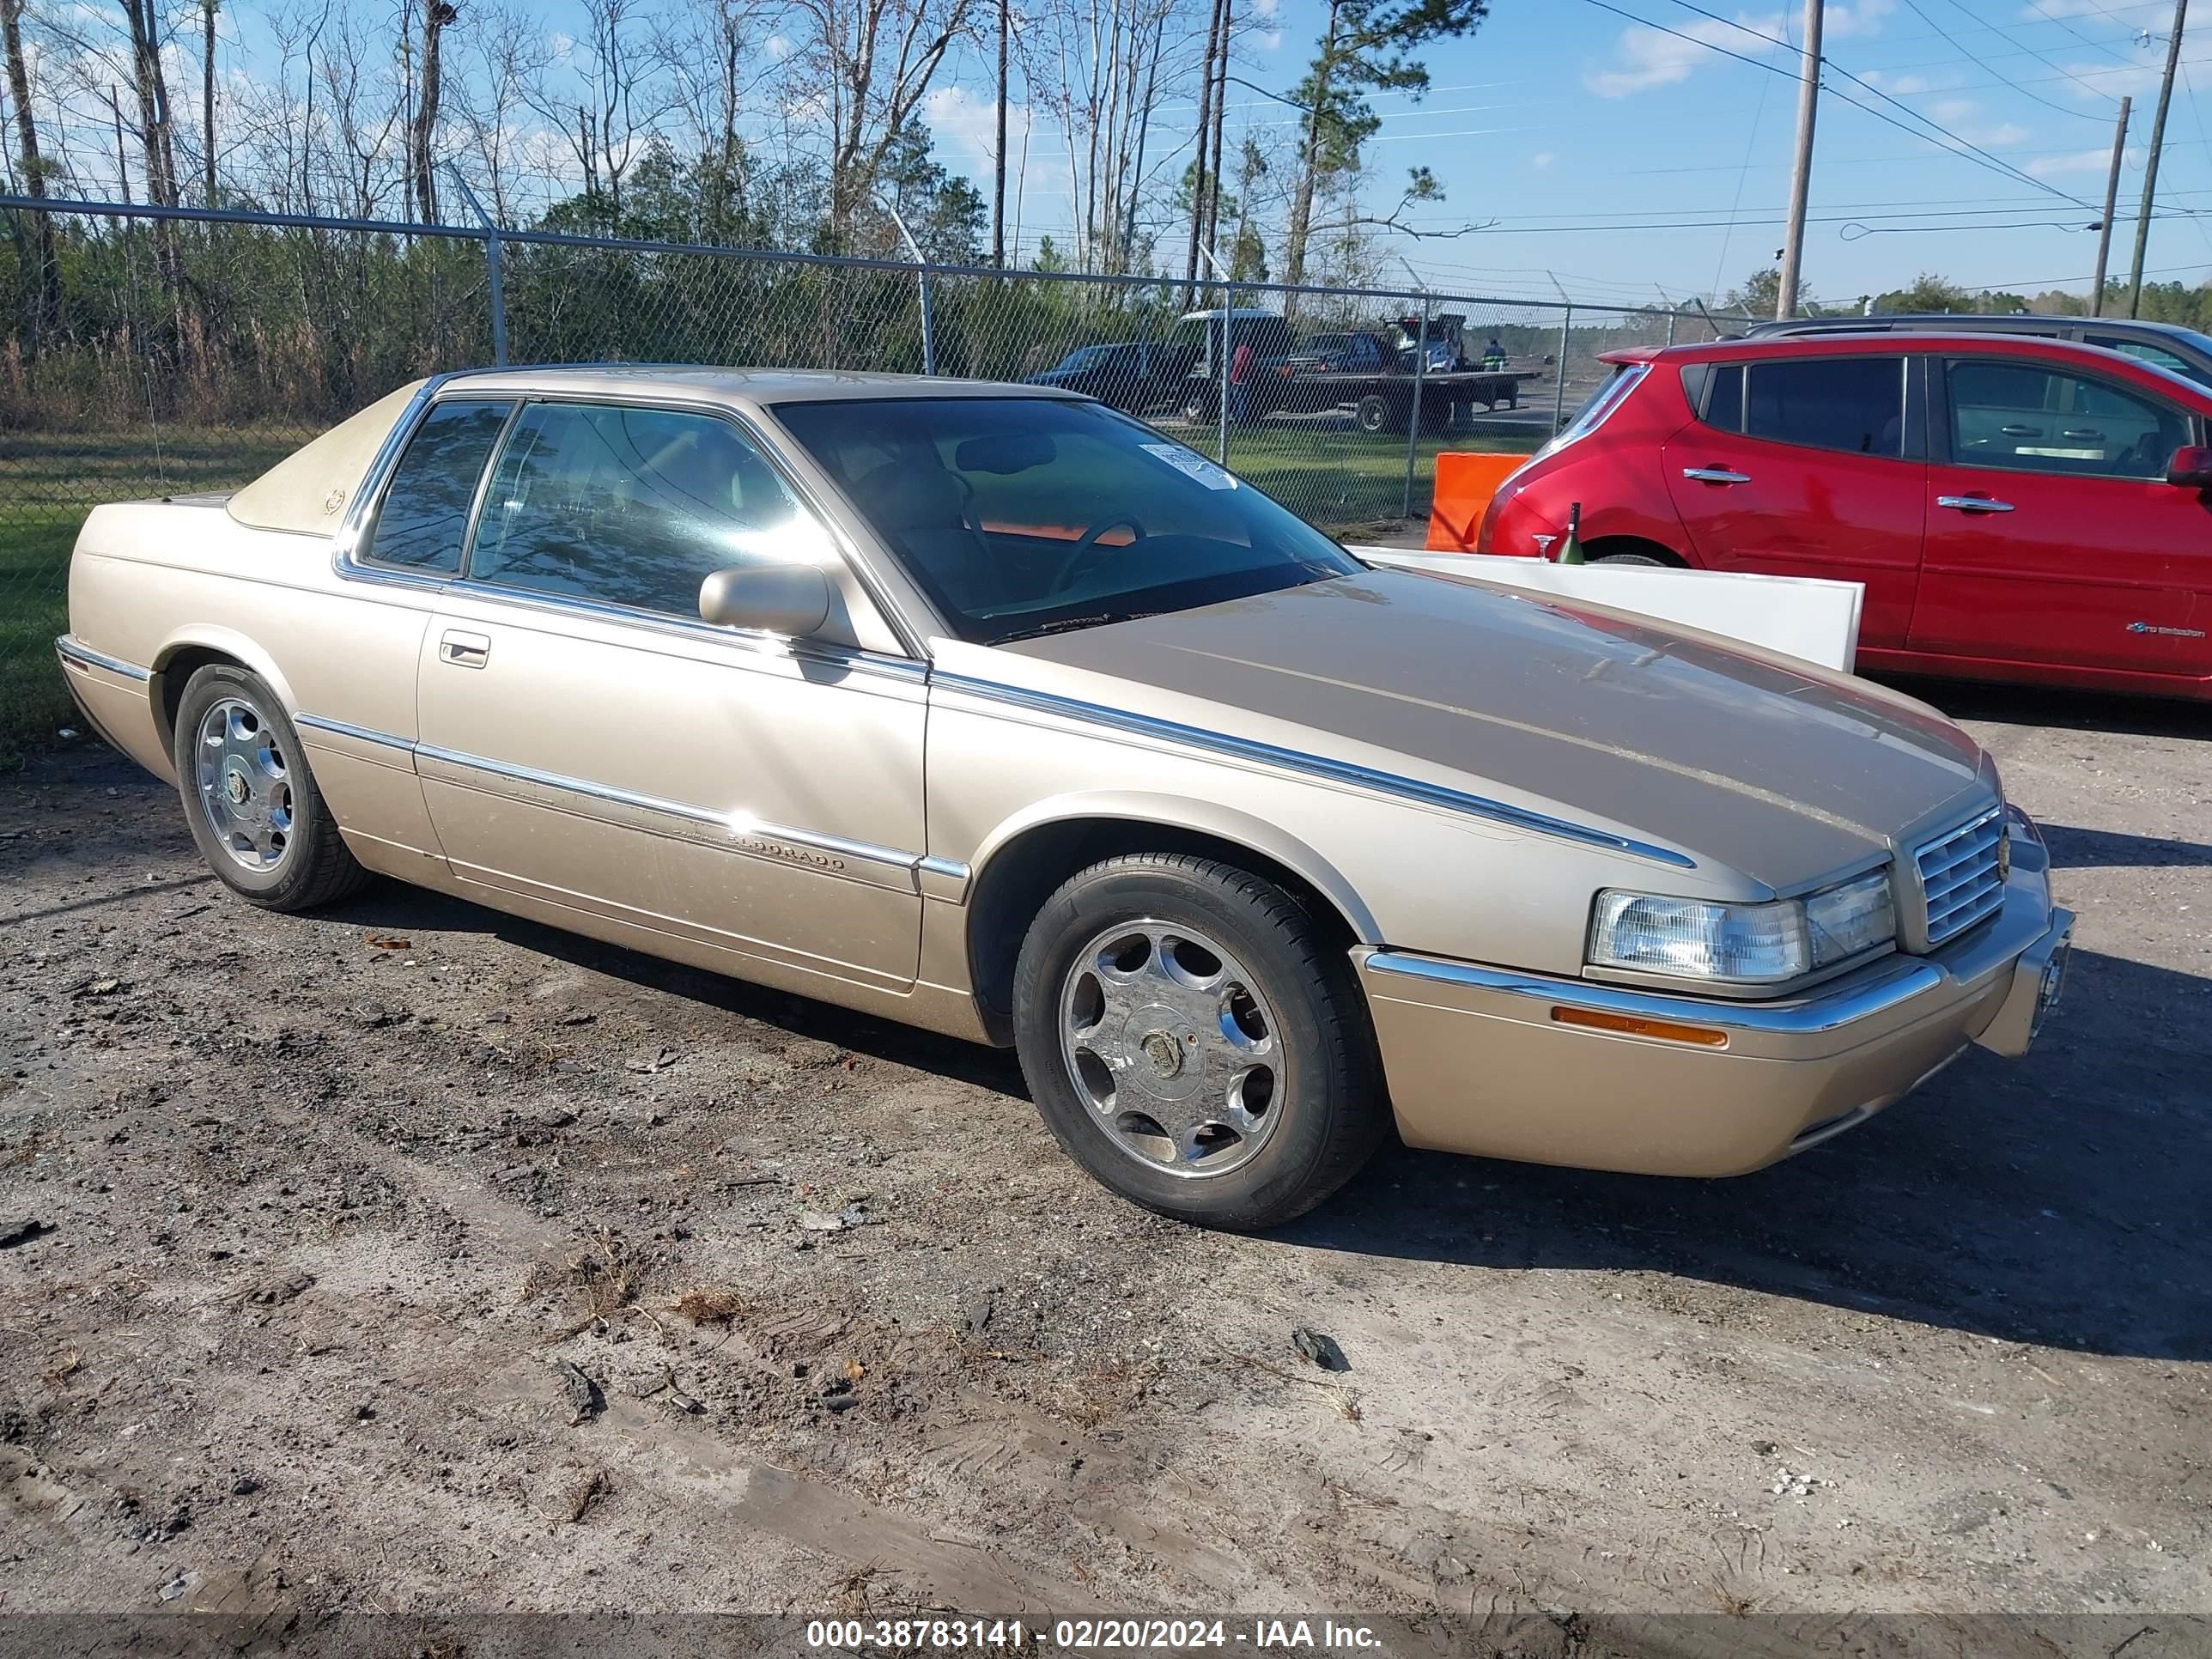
1329,1097
1651,559
315,867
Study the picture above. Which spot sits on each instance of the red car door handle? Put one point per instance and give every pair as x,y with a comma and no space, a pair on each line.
1719,475
1973,504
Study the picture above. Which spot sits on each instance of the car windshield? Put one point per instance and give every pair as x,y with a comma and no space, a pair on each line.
1083,356
1021,516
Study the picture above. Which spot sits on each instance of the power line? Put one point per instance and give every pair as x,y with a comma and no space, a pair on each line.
2015,85
1965,146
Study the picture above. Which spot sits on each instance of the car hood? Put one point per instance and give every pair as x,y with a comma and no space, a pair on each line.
1779,769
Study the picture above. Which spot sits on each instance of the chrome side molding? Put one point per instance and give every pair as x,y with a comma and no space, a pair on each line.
72,649
731,832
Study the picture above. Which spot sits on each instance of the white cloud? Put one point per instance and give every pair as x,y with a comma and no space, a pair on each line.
1542,159
776,46
1644,58
2091,161
966,126
1948,110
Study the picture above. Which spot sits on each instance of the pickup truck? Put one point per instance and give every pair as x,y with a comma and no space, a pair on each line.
1367,373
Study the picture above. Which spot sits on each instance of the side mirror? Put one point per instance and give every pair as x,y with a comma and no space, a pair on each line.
2191,467
772,598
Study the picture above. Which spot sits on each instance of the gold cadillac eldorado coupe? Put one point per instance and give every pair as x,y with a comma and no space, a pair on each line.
987,708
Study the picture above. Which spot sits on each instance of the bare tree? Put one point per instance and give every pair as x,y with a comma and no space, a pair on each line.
874,60
30,170
713,69
613,100
504,58
1213,34
207,100
438,16
364,113
1095,67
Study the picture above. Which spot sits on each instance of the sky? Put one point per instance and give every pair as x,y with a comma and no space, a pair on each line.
1619,151
1627,162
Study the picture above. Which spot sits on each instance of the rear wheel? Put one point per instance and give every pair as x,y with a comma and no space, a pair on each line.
1194,1041
250,800
1631,558
1374,413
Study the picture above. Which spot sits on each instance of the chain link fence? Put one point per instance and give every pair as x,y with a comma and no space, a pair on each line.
153,352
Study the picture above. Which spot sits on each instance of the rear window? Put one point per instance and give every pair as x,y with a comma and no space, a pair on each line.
424,516
1852,405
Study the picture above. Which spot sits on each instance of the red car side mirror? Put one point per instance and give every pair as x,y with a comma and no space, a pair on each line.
2191,467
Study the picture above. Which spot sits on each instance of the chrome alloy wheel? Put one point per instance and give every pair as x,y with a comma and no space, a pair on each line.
244,785
1172,1046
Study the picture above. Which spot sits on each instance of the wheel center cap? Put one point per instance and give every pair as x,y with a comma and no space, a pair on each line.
234,785
1164,1052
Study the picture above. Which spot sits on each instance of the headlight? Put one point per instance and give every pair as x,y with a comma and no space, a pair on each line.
1742,944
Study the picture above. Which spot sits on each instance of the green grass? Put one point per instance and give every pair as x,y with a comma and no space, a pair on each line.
48,482
1351,483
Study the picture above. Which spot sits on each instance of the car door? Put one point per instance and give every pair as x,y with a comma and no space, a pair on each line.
588,742
2053,536
1810,466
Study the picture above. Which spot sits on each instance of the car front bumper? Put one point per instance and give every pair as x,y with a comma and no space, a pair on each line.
1486,1060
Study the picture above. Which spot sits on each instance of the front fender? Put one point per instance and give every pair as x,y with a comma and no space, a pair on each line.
1182,812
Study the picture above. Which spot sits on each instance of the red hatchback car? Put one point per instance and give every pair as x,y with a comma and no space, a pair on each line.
2017,510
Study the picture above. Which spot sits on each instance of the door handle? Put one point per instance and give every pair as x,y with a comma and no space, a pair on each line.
2021,431
464,650
1973,504
1719,475
2081,432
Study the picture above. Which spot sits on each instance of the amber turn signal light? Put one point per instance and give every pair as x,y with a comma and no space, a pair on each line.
1666,1030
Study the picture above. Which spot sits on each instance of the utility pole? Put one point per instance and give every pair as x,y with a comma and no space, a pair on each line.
2150,163
1801,177
2111,206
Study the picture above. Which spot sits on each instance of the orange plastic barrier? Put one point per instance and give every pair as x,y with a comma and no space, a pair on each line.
1465,483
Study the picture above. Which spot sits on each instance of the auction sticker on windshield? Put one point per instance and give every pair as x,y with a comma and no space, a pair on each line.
1192,463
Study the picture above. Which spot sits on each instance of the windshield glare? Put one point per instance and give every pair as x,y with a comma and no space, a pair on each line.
1024,515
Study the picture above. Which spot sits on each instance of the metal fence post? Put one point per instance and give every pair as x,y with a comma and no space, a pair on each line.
1228,354
1670,328
492,276
1559,381
921,282
1413,413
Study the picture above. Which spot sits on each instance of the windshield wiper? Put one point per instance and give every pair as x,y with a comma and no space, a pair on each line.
1069,624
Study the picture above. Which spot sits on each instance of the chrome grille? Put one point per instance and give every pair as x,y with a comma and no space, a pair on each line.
1962,875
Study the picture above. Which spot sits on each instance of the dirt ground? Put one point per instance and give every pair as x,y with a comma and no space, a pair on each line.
412,1258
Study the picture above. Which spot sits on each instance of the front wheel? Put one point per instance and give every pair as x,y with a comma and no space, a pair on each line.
1194,1041
250,800
1374,413
1630,558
